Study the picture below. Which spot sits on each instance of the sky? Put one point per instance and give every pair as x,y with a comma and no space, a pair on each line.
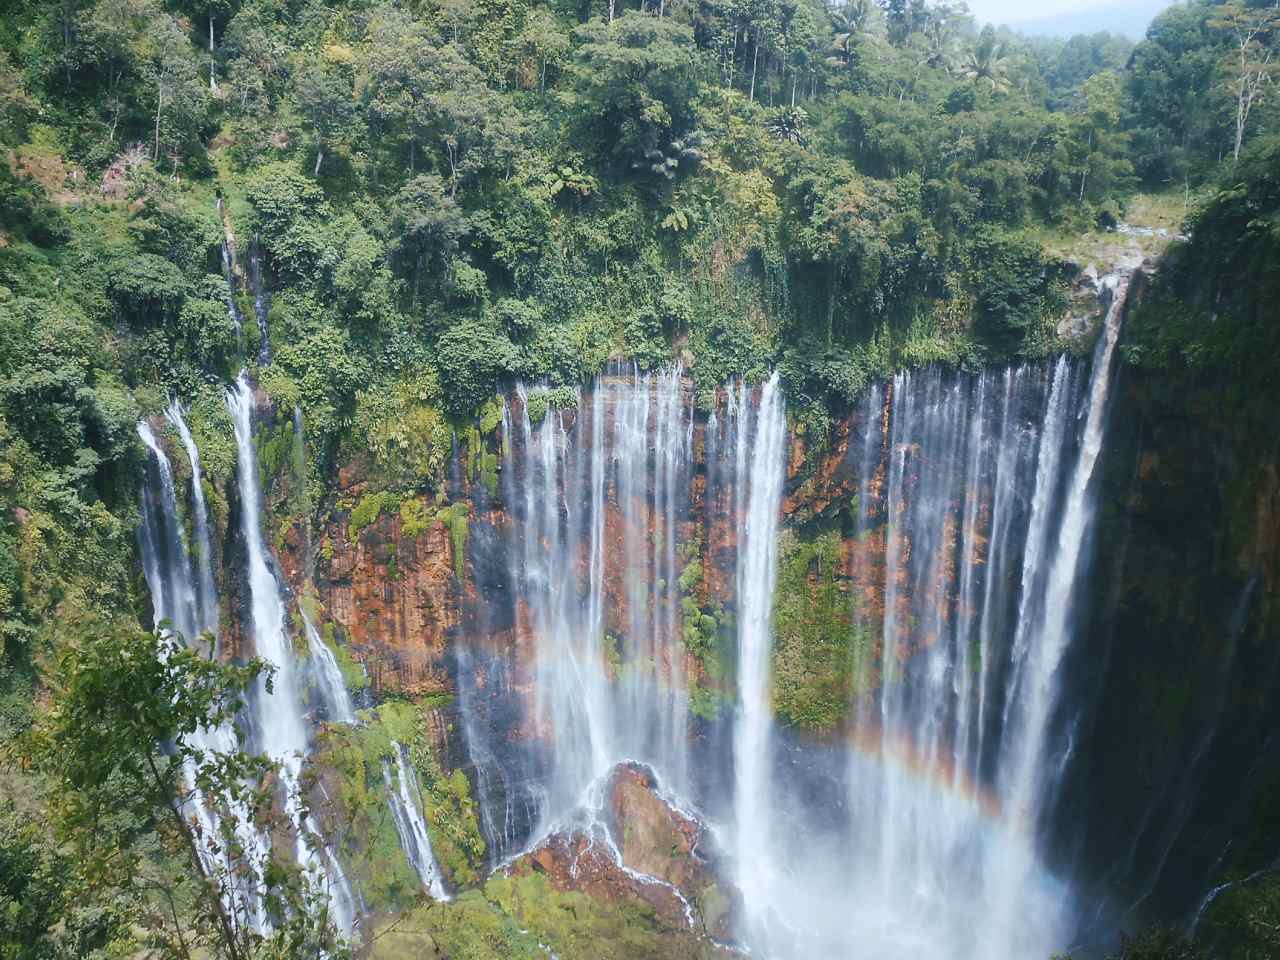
1011,11
1062,18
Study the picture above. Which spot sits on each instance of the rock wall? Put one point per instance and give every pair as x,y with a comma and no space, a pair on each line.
1182,648
1173,780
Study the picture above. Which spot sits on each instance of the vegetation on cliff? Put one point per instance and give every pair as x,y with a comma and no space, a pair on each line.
445,196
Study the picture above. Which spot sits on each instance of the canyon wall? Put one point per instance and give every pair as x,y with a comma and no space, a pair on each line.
1166,749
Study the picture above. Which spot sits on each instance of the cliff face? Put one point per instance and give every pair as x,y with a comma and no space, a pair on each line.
1172,672
1182,645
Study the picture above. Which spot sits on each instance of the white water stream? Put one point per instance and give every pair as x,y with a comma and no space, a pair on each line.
280,724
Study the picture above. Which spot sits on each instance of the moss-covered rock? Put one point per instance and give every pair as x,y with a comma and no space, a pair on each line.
351,761
817,645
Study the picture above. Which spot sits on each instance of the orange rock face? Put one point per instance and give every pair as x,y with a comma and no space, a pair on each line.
395,597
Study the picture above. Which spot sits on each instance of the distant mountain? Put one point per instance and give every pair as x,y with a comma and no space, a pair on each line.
1128,18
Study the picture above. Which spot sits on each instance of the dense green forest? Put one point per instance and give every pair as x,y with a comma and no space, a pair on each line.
445,196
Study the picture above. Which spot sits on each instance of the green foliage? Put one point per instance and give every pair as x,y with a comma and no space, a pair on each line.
455,518
473,358
119,740
543,399
353,675
356,757
1243,923
1211,304
400,424
635,81
327,371
523,916
415,518
707,703
448,196
1018,295
453,819
467,928
817,645
367,511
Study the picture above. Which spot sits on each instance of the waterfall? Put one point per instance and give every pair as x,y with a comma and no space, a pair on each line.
186,599
759,461
405,798
229,272
164,551
402,796
976,489
965,508
206,595
260,305
967,518
328,676
599,495
1032,758
280,724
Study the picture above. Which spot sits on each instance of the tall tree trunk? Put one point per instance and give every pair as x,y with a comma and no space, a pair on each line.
155,155
733,56
1084,174
755,60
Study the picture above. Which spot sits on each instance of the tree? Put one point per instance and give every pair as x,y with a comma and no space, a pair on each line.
428,225
211,11
179,96
473,357
1104,162
427,93
15,105
122,741
941,25
1252,64
904,17
326,99
1175,113
636,81
543,44
986,64
853,23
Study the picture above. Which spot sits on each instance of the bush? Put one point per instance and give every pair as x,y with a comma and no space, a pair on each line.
473,357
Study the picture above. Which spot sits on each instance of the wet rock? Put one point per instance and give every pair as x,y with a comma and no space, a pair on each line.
644,850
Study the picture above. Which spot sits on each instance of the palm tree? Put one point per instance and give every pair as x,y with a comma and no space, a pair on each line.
938,43
987,65
853,22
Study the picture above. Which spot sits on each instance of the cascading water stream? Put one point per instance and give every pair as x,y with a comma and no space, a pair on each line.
1031,767
229,273
982,485
327,676
403,794
598,503
280,726
762,449
206,594
187,600
405,798
971,524
260,303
